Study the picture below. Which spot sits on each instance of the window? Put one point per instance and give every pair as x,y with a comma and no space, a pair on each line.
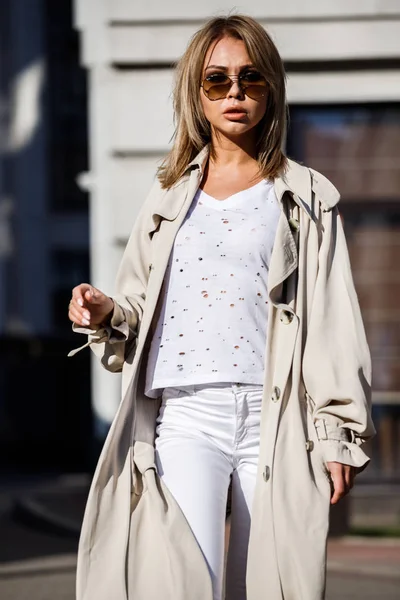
67,109
358,149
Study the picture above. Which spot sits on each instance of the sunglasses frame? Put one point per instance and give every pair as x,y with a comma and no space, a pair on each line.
237,79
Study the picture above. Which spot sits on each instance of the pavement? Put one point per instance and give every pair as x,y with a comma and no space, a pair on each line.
39,525
365,557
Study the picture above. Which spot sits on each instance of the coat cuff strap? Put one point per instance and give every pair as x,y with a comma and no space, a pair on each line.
118,328
347,453
116,331
340,444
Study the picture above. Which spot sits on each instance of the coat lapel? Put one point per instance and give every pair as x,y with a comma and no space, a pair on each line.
292,188
172,201
173,212
297,180
283,259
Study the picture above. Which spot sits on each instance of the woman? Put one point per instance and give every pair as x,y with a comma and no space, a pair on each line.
237,261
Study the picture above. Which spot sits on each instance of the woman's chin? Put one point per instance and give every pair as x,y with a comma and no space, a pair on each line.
234,129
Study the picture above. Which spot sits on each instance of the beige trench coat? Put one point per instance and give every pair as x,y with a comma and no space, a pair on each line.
135,542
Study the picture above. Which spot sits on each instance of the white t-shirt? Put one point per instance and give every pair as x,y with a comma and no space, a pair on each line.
213,319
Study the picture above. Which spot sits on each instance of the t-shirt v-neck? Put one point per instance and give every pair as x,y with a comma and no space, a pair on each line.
234,199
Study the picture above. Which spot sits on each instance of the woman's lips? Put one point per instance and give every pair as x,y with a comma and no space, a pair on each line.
234,115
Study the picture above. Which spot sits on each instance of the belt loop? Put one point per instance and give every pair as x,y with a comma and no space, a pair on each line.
320,426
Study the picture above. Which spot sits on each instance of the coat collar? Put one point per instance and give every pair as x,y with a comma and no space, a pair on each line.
299,181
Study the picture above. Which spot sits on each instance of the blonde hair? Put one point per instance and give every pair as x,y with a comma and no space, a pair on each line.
193,131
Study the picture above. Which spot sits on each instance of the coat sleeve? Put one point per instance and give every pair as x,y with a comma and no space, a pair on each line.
336,360
113,342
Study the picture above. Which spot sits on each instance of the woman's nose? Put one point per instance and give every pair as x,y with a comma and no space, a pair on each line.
235,91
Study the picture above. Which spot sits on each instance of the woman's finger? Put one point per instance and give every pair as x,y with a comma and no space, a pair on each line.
82,311
339,491
94,296
347,476
79,292
76,316
339,482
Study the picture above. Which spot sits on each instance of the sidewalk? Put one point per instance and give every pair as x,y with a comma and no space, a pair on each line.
53,578
39,525
372,557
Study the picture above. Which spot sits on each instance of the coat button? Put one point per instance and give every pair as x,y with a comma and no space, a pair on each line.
286,317
309,445
276,394
266,473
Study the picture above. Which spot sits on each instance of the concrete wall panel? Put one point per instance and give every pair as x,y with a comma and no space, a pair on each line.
348,86
142,111
131,180
154,10
299,41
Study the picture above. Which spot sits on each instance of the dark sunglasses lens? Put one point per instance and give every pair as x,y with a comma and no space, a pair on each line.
216,86
218,91
255,91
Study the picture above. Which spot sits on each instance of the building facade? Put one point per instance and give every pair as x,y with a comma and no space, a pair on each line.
44,235
343,64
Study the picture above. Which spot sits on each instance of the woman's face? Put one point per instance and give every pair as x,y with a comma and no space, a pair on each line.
230,56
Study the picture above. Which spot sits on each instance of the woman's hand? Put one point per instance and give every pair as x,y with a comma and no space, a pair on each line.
342,479
89,306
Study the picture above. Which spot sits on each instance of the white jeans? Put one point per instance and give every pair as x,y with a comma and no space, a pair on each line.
207,435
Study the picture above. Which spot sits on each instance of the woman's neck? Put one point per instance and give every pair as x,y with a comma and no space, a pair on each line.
232,153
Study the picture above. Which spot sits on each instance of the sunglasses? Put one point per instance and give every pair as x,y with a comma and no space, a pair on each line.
217,85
